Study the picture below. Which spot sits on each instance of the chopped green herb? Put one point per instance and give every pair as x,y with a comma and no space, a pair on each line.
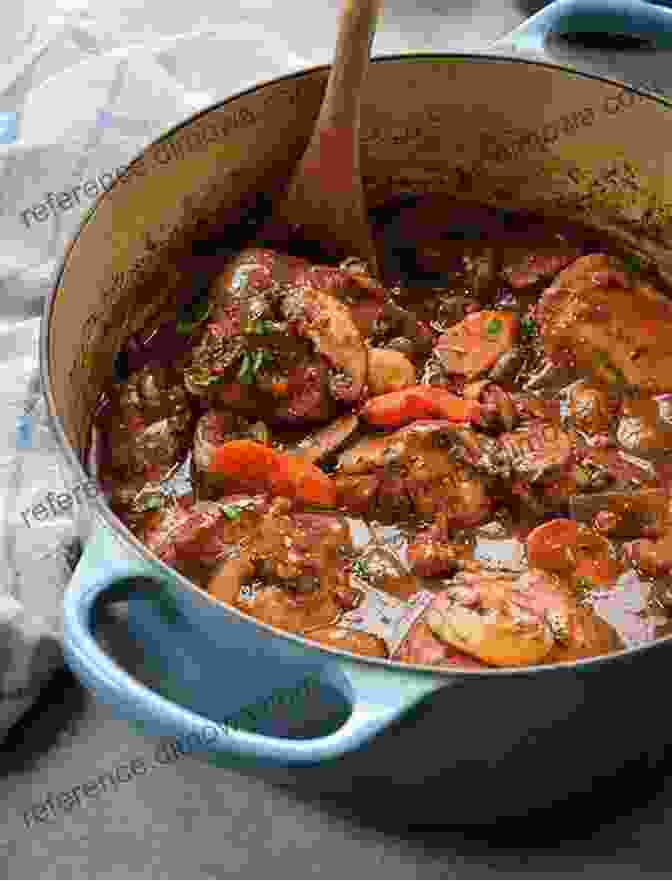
528,328
151,503
245,372
493,327
261,358
231,512
360,568
263,326
601,359
585,584
632,264
318,509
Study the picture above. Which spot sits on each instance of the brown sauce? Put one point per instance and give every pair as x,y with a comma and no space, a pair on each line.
523,479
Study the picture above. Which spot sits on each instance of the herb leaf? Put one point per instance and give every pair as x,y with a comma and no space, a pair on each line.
245,372
493,327
151,503
231,512
528,327
263,326
360,568
632,264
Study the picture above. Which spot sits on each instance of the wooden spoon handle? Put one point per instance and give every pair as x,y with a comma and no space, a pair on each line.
356,28
324,202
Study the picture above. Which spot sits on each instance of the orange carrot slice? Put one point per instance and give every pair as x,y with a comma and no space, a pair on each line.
419,402
601,572
283,474
551,545
295,477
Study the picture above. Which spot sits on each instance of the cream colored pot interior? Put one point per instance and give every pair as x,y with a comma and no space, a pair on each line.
512,134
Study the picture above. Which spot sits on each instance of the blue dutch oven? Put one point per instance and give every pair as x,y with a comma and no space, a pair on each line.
510,128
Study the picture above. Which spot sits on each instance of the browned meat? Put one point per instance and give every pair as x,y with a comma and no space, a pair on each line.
382,570
147,424
652,558
621,335
433,554
473,346
643,431
327,323
523,267
207,532
328,440
538,451
409,468
638,514
588,408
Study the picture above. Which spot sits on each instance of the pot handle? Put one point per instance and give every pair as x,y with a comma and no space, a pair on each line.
377,696
648,22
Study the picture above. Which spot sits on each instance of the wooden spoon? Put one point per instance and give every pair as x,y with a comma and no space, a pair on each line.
324,202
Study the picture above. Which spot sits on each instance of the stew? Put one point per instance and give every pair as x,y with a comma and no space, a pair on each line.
465,466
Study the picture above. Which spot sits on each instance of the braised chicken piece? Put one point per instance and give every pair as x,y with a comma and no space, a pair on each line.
613,327
147,424
642,429
278,342
588,408
462,464
410,472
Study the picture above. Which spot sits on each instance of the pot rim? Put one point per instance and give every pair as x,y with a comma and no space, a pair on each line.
130,541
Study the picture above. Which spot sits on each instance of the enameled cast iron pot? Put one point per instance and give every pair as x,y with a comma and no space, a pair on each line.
502,130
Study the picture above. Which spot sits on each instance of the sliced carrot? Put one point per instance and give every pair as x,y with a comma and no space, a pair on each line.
284,474
600,572
551,545
245,459
472,346
295,477
419,402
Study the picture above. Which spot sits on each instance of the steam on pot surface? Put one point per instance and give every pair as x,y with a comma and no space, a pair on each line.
464,465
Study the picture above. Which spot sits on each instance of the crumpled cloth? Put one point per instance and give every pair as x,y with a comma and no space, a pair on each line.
79,98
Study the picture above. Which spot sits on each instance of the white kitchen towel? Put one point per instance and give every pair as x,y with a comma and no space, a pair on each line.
79,97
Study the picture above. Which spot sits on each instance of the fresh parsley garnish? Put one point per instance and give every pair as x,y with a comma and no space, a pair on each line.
251,363
245,373
231,512
151,503
263,326
360,568
528,327
632,264
493,327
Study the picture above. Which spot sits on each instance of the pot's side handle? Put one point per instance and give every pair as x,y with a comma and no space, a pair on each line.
651,23
377,696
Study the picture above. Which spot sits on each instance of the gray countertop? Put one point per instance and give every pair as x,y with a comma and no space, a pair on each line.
195,821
